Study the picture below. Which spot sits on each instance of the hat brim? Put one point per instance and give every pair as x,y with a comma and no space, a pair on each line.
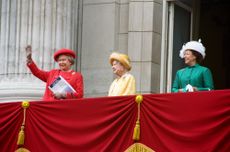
195,46
65,52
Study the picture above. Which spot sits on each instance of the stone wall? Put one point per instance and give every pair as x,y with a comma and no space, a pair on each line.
47,25
94,28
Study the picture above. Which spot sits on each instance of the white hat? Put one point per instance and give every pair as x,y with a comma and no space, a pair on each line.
195,46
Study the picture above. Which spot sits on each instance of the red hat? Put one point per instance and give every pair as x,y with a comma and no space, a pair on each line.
64,51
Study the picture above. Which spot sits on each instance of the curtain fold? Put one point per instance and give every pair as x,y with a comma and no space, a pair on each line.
190,122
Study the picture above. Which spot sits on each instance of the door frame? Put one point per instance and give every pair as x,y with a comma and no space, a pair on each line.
167,41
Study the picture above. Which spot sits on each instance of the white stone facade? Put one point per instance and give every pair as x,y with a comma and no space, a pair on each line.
47,25
94,28
128,26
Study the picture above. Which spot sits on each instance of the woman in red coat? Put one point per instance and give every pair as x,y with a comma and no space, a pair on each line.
65,59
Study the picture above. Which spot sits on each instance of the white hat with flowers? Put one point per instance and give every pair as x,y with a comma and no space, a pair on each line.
195,46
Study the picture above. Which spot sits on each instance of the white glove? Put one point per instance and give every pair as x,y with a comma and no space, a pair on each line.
189,88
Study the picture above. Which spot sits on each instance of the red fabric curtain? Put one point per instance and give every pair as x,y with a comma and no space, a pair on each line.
191,122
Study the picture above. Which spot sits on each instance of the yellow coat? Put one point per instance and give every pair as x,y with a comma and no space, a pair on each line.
125,85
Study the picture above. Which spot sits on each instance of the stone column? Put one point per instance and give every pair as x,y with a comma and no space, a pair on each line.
99,39
47,25
144,43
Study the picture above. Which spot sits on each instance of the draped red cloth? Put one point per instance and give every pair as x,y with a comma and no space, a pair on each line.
188,122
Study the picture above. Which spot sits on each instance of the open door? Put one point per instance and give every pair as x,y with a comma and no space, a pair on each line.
176,32
215,29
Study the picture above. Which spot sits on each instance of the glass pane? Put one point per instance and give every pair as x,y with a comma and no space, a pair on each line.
181,34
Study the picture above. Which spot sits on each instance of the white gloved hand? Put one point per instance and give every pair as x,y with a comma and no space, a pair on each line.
59,95
189,88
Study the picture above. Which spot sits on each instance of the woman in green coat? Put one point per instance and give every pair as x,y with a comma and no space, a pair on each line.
194,77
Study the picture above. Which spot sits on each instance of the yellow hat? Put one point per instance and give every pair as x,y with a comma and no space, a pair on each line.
122,58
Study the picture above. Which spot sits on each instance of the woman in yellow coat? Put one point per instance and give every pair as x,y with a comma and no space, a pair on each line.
125,83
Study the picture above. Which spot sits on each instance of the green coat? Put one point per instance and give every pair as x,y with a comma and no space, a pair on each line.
197,76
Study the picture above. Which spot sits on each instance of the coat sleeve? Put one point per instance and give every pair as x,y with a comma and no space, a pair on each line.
110,93
176,84
42,75
78,85
130,86
207,81
175,87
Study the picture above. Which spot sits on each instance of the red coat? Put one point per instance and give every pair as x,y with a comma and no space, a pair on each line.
75,79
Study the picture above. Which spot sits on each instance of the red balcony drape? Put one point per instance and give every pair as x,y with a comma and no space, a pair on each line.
191,122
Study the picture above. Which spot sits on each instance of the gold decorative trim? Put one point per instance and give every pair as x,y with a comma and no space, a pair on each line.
21,134
22,150
139,147
137,128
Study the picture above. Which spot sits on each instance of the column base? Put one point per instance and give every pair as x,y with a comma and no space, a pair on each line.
19,91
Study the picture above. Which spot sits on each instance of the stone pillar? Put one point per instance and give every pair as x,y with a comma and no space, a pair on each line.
47,25
99,39
144,43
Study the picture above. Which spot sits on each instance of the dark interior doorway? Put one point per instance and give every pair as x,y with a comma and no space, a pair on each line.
215,34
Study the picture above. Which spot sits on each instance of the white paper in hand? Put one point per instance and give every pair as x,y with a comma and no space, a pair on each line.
60,85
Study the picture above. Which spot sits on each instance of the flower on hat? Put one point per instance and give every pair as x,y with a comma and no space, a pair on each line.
64,51
195,46
122,58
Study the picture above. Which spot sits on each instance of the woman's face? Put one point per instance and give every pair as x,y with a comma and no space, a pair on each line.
189,58
118,68
64,63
